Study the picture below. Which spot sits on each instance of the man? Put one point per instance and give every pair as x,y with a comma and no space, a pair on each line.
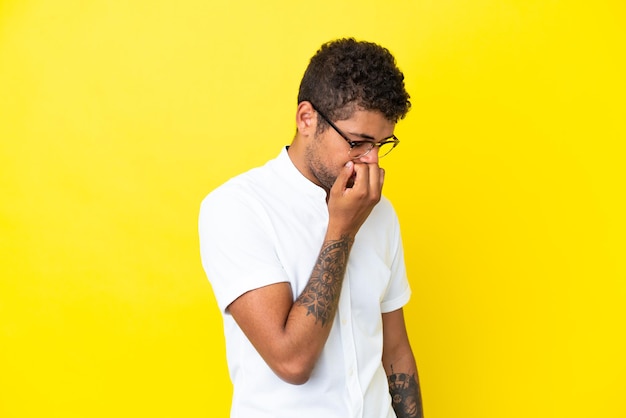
305,258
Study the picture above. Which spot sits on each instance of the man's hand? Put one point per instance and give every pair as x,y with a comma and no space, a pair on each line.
349,207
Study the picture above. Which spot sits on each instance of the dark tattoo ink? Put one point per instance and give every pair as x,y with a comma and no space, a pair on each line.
320,295
405,395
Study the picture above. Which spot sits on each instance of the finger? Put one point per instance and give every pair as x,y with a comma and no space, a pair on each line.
382,178
374,178
361,177
343,177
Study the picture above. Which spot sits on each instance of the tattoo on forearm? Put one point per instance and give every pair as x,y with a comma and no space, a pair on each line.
405,395
320,295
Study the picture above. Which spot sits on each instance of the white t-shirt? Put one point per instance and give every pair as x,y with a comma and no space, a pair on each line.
267,226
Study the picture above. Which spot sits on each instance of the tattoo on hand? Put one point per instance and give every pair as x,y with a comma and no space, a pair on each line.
320,295
405,394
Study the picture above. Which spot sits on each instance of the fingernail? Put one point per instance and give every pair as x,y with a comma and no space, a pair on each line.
349,164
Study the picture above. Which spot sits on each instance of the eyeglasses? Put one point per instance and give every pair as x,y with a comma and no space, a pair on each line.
360,149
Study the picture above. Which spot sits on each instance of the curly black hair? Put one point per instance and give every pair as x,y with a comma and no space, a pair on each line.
346,74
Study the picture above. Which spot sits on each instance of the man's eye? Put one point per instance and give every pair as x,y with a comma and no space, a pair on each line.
360,145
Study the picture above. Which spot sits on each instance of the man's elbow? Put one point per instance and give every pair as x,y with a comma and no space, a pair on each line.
295,373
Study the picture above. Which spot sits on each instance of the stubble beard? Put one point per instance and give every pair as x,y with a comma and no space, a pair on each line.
319,170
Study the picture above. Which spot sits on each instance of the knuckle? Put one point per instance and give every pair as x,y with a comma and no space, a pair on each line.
361,193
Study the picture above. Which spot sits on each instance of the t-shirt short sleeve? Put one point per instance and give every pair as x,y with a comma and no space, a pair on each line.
398,291
237,244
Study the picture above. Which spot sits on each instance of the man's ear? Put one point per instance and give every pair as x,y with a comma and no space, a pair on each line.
306,119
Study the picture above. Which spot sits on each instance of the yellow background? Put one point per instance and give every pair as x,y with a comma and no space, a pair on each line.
116,118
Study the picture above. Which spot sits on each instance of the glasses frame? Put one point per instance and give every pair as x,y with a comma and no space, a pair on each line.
391,140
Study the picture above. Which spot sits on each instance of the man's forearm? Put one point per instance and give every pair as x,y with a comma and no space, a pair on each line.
405,394
321,295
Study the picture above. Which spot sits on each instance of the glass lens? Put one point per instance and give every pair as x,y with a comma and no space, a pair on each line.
386,149
360,149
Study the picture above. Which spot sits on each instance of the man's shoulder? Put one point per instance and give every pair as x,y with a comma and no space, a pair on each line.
382,218
384,207
248,189
250,179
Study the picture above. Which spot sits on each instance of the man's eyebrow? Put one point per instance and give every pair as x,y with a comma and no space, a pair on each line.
369,137
363,136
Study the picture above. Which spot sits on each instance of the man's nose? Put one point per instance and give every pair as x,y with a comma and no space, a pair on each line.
370,157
